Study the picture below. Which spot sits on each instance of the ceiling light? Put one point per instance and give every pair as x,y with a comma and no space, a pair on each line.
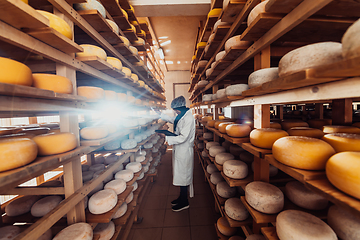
178,62
165,43
169,62
161,53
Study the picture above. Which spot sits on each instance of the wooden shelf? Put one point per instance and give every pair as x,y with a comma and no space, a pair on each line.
256,151
140,47
258,216
210,52
133,180
129,34
232,10
234,53
269,233
237,182
96,62
207,28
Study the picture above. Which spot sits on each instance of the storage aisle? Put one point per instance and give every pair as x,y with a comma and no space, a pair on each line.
161,223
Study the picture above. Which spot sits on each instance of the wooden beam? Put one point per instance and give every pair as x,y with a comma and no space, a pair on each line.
36,190
342,111
262,116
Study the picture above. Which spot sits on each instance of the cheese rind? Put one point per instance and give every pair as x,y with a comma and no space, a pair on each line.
236,89
350,43
235,42
121,211
238,130
211,168
102,201
20,205
224,227
340,129
93,93
126,175
58,24
92,133
76,231
222,157
265,137
115,62
45,205
262,76
55,143
211,144
345,224
9,232
129,198
118,185
52,82
235,209
288,124
14,72
91,5
92,51
213,151
113,25
134,166
343,142
216,178
105,230
224,190
235,169
260,8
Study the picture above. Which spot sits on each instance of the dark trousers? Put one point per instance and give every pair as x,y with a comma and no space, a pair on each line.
183,194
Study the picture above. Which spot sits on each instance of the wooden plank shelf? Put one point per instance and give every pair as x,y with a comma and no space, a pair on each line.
113,7
96,20
129,34
219,167
96,62
235,223
234,53
298,174
207,28
221,32
211,50
256,151
140,47
122,22
117,232
199,52
258,216
237,182
232,10
98,143
342,69
136,175
269,233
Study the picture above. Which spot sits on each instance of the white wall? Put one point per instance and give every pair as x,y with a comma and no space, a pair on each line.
176,77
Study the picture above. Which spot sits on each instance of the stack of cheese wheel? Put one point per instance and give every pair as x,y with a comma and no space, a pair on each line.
105,230
13,72
45,205
288,124
260,8
102,201
238,130
235,42
350,44
58,24
236,89
235,209
343,142
262,76
222,157
306,132
341,129
345,224
91,5
55,143
298,225
76,231
265,137
319,123
302,152
224,227
93,93
52,82
264,197
235,169
92,51
213,151
20,205
91,133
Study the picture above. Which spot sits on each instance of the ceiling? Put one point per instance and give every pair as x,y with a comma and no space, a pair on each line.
175,26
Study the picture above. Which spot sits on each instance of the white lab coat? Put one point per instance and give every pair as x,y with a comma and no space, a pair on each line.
183,150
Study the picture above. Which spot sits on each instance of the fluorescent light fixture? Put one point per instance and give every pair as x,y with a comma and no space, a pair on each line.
178,62
169,62
161,53
165,43
164,37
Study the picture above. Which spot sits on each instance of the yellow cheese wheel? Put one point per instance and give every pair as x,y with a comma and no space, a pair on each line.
16,152
215,12
275,125
113,25
343,142
141,83
91,92
265,137
305,131
132,28
110,95
143,33
211,123
25,1
340,129
115,62
91,133
125,41
58,24
58,84
224,227
55,143
133,50
127,71
92,50
125,13
319,123
302,152
206,118
134,77
287,124
201,44
13,72
342,170
122,97
222,126
238,130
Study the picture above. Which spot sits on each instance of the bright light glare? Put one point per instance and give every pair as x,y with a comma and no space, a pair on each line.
167,50
164,37
178,62
165,43
169,62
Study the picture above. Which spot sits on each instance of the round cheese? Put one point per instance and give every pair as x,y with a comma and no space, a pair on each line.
213,151
112,145
92,51
260,8
310,56
93,93
126,175
343,142
222,157
265,137
235,169
207,97
202,63
9,232
298,225
55,143
91,5
238,130
128,144
235,209
97,167
91,133
342,170
111,158
255,237
105,230
222,126
87,176
350,43
211,144
219,23
121,211
345,224
126,71
288,124
118,185
134,77
341,129
14,72
264,197
99,160
236,89
129,198
235,42
135,186
125,40
275,125
304,197
211,123
20,205
133,50
45,205
262,76
140,159
102,201
208,73
211,168
113,25
220,56
306,132
224,227
52,82
220,94
58,24
203,83
216,178
319,123
215,12
16,152
246,157
224,190
115,62
207,136
76,231
134,166
142,175
236,150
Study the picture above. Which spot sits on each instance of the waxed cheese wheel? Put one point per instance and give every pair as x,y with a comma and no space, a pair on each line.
134,166
52,82
55,143
340,129
302,152
91,51
45,205
127,71
57,23
304,197
236,89
222,126
14,72
350,43
236,150
102,201
224,227
76,231
235,169
118,185
211,123
275,125
121,211
115,62
126,175
214,12
128,144
91,5
216,178
287,124
306,132
213,151
343,142
264,197
9,232
298,225
129,198
235,209
238,130
255,237
224,190
265,137
222,157
260,8
105,230
262,76
345,224
212,144
94,93
221,93
20,205
220,56
211,168
235,42
310,56
87,176
342,170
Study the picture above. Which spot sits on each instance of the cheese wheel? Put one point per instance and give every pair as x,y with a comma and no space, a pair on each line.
236,150
246,157
9,232
211,123
310,56
345,224
208,73
91,51
343,142
287,124
222,126
220,94
91,133
216,178
112,145
140,159
133,50
238,130
235,209
20,205
129,198
94,93
58,24
55,143
211,168
275,125
97,167
319,123
128,144
203,83
134,77
235,169
134,166
113,25
85,167
215,12
340,129
207,97
304,197
260,8
118,185
102,201
235,42
126,71
126,175
213,151
111,159
350,44
14,72
265,137
121,211
220,56
115,62
202,63
236,89
135,186
302,152
76,231
208,136
264,197
45,205
306,132
255,237
52,82
91,5
298,225
224,190
342,170
262,76
219,23
87,176
224,227
222,157
105,230
125,40
142,175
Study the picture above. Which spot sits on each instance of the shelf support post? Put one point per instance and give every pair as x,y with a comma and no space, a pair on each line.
342,111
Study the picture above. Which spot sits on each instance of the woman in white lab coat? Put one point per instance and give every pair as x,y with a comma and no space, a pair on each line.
183,151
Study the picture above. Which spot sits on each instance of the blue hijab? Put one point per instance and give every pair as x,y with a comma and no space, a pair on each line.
183,110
